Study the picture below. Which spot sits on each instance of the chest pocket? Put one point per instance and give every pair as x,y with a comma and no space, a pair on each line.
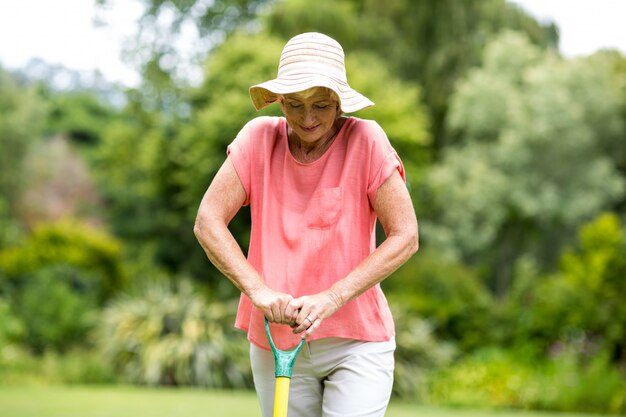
325,208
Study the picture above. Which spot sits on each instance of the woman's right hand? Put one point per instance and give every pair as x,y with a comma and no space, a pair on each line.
273,304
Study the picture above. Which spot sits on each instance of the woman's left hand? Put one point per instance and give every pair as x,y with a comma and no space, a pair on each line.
313,309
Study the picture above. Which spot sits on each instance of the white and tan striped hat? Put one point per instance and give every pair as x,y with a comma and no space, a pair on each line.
310,60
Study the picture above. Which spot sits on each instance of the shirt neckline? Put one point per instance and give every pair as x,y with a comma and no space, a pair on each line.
285,138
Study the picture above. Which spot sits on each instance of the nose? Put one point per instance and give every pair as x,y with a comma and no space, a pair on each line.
308,116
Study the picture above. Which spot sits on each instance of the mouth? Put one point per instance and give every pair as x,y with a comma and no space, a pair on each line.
309,129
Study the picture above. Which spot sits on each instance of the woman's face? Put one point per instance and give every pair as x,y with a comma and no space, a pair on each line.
311,116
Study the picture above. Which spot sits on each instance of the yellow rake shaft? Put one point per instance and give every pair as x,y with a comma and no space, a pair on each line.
281,396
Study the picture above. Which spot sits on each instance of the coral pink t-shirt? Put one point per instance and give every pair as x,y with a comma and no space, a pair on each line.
313,223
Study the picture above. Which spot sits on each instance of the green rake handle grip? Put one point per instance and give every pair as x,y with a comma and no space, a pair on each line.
283,359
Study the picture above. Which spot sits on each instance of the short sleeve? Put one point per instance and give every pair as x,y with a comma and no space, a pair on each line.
249,151
240,152
383,161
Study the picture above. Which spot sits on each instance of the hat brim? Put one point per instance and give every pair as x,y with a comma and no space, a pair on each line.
267,93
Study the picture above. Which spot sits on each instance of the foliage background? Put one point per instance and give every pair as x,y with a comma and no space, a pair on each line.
516,163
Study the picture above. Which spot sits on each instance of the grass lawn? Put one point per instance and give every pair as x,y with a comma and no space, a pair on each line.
116,401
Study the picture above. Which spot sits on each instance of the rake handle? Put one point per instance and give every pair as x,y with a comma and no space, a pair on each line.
283,365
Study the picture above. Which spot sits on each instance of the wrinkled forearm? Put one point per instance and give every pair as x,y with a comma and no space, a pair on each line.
388,257
223,251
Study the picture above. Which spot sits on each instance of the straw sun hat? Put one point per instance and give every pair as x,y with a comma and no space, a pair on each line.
310,60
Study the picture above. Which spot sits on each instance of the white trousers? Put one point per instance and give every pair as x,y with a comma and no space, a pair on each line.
331,378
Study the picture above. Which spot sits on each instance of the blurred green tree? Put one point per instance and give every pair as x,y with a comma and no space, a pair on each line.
130,167
174,38
514,183
78,114
612,141
429,43
208,17
21,115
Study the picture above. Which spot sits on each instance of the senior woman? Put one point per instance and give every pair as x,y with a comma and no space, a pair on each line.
316,182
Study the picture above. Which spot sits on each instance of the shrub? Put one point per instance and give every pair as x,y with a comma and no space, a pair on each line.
538,312
590,277
596,270
77,366
95,253
174,337
487,378
418,354
55,311
515,379
18,366
445,293
593,385
55,279
11,327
